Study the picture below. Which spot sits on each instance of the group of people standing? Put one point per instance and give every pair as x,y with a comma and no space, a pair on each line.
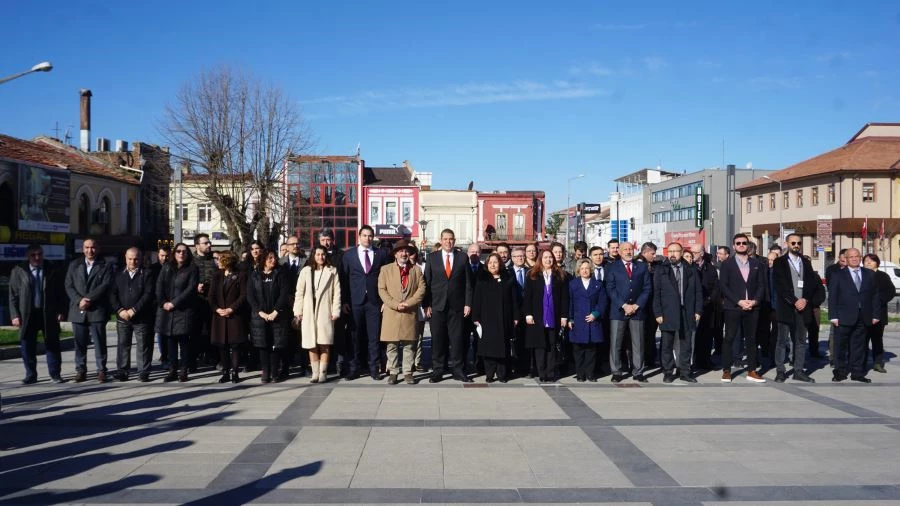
524,311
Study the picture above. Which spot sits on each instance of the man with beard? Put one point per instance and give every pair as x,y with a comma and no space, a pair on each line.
742,287
206,265
796,284
677,303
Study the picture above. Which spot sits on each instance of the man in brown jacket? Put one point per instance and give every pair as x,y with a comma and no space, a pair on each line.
401,287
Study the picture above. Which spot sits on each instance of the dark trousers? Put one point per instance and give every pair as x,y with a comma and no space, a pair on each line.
744,322
200,347
545,356
522,363
812,332
650,328
767,331
703,337
448,340
365,335
273,362
677,347
85,333
795,334
229,356
850,338
28,345
495,366
718,324
176,344
142,335
163,345
585,355
874,335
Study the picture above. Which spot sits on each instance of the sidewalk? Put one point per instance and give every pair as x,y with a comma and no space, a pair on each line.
365,442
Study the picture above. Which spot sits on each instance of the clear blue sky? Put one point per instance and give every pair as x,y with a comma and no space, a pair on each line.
512,95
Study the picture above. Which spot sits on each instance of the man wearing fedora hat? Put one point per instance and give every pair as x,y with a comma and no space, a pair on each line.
401,287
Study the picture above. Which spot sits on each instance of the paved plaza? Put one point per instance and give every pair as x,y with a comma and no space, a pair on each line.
366,442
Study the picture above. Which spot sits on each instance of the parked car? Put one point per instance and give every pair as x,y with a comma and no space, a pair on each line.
892,270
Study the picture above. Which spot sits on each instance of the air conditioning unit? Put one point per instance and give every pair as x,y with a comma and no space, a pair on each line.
188,234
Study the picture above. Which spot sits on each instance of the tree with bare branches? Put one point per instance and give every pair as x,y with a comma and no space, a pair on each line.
236,132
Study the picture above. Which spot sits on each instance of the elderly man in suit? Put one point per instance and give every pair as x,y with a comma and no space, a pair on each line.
519,272
742,283
133,299
360,268
796,287
37,303
87,285
628,286
677,305
853,305
448,301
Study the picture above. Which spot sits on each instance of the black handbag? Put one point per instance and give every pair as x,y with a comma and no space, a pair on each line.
561,344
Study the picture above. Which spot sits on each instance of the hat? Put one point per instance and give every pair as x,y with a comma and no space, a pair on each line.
401,244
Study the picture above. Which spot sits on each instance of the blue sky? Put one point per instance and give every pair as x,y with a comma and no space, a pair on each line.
512,95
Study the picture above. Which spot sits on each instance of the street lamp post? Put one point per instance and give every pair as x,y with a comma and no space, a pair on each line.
423,224
569,204
780,209
40,67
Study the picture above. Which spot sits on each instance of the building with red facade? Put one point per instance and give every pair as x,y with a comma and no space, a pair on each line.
324,192
391,201
513,217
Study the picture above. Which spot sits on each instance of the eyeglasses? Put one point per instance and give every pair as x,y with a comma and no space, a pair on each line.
795,243
740,243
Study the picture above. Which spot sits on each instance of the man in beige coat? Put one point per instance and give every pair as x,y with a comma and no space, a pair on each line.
401,287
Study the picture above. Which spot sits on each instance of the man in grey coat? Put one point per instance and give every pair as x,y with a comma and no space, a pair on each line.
37,303
87,285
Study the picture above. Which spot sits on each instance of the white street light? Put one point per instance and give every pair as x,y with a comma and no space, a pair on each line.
569,204
780,209
44,66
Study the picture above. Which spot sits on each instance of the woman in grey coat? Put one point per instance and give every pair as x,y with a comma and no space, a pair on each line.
175,292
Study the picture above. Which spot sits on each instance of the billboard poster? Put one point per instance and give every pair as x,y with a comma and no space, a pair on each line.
43,199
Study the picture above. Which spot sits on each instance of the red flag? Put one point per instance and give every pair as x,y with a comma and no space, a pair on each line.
881,230
865,229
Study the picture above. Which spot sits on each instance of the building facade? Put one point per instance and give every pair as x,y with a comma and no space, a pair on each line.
391,202
513,217
323,192
453,209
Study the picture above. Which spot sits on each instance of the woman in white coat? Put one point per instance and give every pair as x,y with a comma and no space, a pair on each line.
317,304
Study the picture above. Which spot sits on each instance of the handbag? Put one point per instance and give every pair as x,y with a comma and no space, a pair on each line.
561,345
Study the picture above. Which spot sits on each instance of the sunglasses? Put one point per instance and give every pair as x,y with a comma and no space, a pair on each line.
181,251
740,243
795,243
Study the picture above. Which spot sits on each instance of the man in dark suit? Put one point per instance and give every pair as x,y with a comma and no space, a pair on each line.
628,286
853,305
132,299
830,271
360,268
648,258
37,303
677,304
292,261
519,272
796,284
87,285
448,301
742,285
598,267
706,327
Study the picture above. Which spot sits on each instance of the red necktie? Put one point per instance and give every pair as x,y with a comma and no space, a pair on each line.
628,269
447,267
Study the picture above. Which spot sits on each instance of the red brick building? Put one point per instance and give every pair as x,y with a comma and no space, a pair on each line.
513,217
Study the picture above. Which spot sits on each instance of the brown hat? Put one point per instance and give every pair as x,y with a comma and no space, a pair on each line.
401,244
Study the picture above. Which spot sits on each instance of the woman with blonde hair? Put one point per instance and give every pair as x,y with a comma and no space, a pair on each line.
317,304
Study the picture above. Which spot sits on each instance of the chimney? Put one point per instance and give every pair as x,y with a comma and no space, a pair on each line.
121,146
85,120
102,144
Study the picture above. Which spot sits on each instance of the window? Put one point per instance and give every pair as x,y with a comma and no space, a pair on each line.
374,213
390,212
500,223
129,218
105,215
759,203
406,213
771,202
868,192
749,205
204,212
799,198
831,193
183,209
84,215
518,227
814,195
785,200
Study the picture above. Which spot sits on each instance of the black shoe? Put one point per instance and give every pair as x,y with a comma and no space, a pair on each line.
837,378
121,376
463,378
861,379
435,379
226,377
580,380
57,379
668,378
281,377
616,378
640,378
172,376
687,379
235,378
144,378
30,380
592,379
490,380
780,377
375,376
183,376
802,376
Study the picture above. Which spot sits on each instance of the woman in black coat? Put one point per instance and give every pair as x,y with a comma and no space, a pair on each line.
176,289
494,311
228,328
546,309
269,294
886,291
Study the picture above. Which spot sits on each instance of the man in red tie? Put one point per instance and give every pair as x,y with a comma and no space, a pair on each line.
359,270
628,285
448,300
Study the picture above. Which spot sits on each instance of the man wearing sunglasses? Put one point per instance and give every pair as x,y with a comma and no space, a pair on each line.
743,286
796,287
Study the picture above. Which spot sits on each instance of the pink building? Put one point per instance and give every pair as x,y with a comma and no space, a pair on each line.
513,217
390,202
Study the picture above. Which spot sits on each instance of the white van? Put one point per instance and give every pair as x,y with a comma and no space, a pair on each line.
892,270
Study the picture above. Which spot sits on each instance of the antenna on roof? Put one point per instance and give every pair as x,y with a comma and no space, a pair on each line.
68,136
357,149
56,130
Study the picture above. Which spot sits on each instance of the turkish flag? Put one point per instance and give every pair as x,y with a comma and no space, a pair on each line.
865,229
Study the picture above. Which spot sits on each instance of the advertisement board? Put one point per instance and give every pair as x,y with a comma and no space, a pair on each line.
43,199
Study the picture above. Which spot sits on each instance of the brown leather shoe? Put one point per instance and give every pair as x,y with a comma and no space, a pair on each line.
80,377
101,377
392,379
726,375
409,379
754,377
